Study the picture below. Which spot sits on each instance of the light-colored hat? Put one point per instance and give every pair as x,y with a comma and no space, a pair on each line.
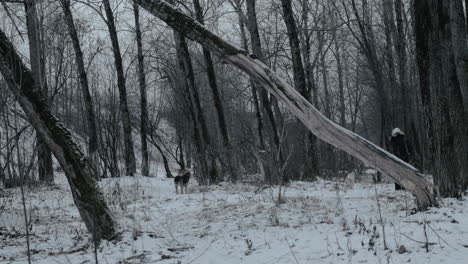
397,131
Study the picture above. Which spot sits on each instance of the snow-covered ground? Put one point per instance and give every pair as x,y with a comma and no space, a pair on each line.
316,222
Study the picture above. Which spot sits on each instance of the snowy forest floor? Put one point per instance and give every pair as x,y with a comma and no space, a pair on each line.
318,222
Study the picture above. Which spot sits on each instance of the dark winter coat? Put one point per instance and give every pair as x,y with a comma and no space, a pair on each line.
399,147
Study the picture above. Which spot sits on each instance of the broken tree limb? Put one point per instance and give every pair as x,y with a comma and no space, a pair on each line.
353,144
80,175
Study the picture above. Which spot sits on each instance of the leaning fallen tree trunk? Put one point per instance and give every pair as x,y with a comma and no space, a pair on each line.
318,124
86,194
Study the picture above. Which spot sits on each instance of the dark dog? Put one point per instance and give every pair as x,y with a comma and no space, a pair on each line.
182,180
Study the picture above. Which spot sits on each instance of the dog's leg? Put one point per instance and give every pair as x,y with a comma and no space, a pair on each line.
176,190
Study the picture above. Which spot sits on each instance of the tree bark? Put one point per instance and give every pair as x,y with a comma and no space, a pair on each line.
323,128
80,175
44,157
298,68
437,69
339,68
400,44
130,162
422,31
310,151
456,183
210,70
466,16
460,47
389,24
143,101
90,116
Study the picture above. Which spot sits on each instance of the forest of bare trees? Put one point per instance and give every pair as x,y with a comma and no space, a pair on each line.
263,92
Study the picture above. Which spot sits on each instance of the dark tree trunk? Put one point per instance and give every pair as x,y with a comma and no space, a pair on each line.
466,16
310,164
310,169
267,110
130,162
165,162
422,31
210,70
80,175
258,113
205,157
460,47
400,44
389,24
44,157
257,50
324,72
164,157
298,68
143,102
90,116
339,66
399,171
437,68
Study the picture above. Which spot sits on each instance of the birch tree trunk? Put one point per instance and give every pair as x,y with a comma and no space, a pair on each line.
143,101
323,128
44,157
130,162
80,175
90,116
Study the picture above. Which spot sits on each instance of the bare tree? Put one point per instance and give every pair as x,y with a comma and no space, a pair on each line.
90,116
400,47
300,82
460,46
208,173
266,104
210,71
86,194
129,154
441,93
44,157
143,100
